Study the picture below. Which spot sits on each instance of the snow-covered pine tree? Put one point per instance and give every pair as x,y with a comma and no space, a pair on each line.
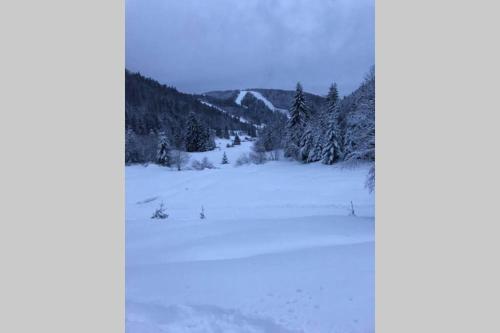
252,132
131,153
193,133
210,139
318,129
198,137
237,140
225,134
359,138
163,152
331,140
370,179
224,159
296,124
307,144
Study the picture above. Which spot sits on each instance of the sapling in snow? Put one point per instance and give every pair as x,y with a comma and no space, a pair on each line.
224,159
202,213
160,212
352,213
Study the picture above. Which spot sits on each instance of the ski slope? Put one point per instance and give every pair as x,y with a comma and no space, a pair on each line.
277,251
260,97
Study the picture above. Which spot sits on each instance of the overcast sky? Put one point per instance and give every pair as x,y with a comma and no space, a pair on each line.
203,45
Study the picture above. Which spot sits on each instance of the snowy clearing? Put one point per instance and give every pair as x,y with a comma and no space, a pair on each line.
277,251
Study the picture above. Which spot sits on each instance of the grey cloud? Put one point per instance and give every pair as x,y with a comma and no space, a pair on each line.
202,45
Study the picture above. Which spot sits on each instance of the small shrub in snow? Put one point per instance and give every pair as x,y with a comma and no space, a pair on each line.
242,160
196,165
160,212
204,164
352,213
257,157
178,158
229,145
207,164
274,155
202,213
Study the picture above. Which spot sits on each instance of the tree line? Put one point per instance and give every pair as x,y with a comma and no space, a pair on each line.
155,113
342,130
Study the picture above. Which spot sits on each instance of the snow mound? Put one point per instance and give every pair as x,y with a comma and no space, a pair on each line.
151,318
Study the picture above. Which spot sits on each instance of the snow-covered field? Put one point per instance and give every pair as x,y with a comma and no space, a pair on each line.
277,251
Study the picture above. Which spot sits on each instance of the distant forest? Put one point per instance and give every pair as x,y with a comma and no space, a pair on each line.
159,118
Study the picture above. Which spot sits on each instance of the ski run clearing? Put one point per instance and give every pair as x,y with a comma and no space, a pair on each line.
260,97
276,253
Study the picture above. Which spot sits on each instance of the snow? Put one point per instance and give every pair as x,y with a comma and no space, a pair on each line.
259,96
276,253
240,96
212,106
241,119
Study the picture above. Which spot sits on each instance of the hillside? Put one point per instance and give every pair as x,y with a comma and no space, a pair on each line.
151,106
281,99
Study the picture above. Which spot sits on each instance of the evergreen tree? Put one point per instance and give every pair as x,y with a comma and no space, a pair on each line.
359,122
193,133
306,144
237,140
331,142
209,139
225,135
131,152
252,132
218,132
198,137
224,159
318,133
299,115
163,152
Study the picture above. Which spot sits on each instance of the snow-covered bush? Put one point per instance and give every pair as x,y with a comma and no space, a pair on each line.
242,160
160,212
257,157
207,164
196,165
179,158
204,164
274,155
